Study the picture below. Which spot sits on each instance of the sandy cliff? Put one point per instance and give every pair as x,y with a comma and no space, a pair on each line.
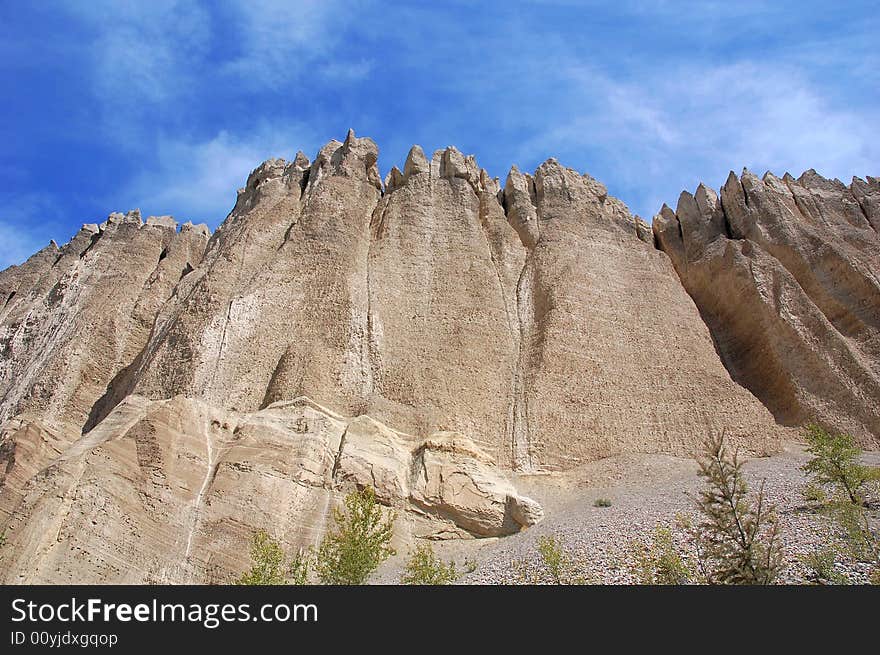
165,392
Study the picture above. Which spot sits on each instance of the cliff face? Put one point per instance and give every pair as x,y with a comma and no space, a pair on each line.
614,356
172,491
540,320
786,274
336,331
74,316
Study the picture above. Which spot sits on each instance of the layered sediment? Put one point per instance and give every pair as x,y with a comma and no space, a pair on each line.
338,331
786,274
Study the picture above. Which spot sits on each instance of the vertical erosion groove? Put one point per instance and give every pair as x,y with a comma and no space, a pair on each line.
337,461
196,513
222,342
484,222
513,330
369,365
519,435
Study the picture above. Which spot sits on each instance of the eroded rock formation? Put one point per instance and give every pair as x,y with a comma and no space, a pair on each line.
613,355
171,491
566,338
74,316
165,394
786,274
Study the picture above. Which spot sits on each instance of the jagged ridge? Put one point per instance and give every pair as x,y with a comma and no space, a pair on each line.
75,315
375,300
539,321
785,273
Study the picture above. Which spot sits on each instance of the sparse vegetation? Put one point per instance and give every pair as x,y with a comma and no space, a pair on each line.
738,537
300,567
820,563
360,541
731,536
835,465
814,493
853,522
659,563
270,566
558,567
424,568
844,488
554,558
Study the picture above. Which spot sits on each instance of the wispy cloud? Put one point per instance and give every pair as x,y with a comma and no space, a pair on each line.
168,105
656,136
158,52
654,97
161,65
277,41
347,71
143,52
197,180
25,219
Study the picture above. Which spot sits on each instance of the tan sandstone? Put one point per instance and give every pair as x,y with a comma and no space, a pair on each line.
785,273
167,393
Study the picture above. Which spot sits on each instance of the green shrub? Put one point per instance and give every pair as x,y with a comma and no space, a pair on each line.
425,568
558,565
554,557
821,565
852,520
360,542
602,502
660,563
737,538
835,464
300,565
814,493
269,565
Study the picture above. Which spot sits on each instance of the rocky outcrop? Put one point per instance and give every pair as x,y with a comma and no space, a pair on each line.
278,307
613,356
786,274
156,381
74,316
538,320
440,350
172,491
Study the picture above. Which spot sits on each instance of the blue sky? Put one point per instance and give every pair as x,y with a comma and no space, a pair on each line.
167,105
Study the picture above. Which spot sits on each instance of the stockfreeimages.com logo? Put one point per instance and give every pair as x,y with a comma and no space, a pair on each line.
209,615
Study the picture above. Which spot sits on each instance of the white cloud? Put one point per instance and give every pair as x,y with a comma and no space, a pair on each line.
278,40
146,60
660,134
775,118
647,128
197,180
144,52
346,71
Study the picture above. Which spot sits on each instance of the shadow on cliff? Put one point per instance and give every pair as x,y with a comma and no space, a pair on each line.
118,388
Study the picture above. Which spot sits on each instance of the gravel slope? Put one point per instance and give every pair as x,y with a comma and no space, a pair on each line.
646,491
